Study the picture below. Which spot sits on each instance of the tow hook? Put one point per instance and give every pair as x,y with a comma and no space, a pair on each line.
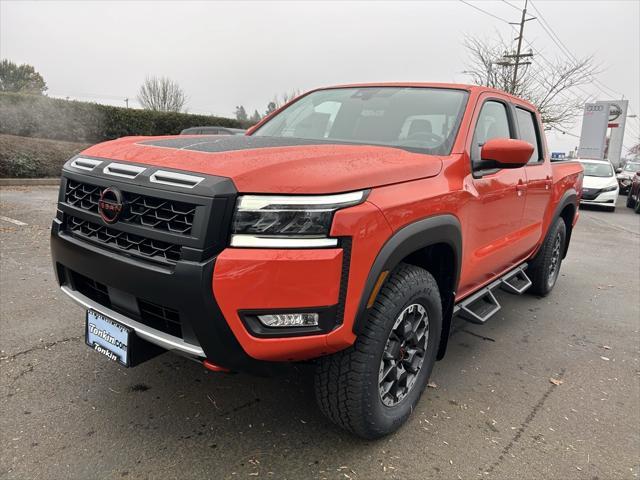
214,368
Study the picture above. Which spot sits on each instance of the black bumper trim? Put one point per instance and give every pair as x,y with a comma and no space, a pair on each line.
187,288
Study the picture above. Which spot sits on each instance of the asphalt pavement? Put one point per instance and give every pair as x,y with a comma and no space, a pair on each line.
547,389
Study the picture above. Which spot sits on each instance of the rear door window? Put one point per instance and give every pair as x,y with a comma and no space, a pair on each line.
529,132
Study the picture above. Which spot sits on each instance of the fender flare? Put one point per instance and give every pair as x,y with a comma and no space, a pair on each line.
570,197
444,228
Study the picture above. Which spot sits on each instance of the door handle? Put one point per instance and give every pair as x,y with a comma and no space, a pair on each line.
521,188
547,183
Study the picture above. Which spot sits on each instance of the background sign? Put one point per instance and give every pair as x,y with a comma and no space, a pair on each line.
617,120
594,130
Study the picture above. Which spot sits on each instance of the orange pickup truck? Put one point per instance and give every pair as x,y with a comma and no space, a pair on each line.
348,228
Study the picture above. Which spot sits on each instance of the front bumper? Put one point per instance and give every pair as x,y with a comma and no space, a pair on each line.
118,284
211,296
604,199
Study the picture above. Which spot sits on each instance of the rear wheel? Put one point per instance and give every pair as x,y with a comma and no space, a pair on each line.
544,269
371,388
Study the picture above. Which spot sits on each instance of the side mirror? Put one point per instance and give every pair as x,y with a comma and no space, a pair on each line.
506,152
618,170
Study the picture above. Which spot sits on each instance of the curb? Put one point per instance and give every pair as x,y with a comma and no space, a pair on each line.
28,182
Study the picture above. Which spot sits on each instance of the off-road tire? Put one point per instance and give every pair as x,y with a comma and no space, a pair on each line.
347,382
539,270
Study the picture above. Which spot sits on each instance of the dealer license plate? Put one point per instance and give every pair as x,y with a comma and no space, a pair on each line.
108,337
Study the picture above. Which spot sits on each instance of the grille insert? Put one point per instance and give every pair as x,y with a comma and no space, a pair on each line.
161,318
157,213
151,314
94,290
128,242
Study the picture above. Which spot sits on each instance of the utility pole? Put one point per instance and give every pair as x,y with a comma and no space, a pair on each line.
517,56
126,101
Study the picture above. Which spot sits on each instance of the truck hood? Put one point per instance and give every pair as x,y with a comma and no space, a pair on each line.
275,165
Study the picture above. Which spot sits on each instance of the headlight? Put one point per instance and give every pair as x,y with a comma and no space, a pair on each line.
280,221
610,189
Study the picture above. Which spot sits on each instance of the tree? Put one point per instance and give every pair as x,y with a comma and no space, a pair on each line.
20,78
550,88
241,114
287,97
271,107
161,94
276,103
255,118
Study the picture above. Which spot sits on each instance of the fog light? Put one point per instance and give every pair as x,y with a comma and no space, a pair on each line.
289,320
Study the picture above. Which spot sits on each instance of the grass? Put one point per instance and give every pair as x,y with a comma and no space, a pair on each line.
27,157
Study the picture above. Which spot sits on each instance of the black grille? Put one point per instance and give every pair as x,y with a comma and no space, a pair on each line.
127,242
152,212
161,318
94,290
590,193
156,316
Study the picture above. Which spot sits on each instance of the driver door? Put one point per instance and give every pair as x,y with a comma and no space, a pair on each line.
496,206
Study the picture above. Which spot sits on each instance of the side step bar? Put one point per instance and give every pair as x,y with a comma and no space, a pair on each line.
516,281
483,304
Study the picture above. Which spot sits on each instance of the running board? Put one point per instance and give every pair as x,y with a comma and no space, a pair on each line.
483,304
516,282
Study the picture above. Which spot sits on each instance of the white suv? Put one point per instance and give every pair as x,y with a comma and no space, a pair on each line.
600,185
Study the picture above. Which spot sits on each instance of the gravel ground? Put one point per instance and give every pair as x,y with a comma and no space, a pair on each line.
66,412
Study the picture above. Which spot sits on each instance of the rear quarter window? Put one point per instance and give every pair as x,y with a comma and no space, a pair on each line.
528,127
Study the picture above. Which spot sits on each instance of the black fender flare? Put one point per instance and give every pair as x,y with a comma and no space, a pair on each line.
570,197
443,228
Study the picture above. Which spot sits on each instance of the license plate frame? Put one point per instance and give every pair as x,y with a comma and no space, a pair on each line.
108,337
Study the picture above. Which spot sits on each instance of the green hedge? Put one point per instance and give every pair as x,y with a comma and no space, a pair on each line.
57,119
34,157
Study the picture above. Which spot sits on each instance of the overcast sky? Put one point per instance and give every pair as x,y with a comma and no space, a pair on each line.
229,53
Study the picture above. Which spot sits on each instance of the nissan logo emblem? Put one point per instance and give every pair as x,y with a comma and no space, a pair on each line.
111,204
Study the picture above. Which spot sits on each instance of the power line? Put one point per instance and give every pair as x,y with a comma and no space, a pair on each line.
561,46
565,133
556,39
485,12
511,5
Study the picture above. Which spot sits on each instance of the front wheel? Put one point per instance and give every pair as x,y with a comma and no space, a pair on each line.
371,388
545,267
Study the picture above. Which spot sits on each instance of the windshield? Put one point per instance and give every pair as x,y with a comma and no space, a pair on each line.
631,167
597,169
424,119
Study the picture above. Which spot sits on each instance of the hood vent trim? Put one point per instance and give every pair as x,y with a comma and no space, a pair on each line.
175,179
85,163
123,170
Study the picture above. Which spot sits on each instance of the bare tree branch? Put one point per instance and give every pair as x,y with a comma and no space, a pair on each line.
161,95
552,89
